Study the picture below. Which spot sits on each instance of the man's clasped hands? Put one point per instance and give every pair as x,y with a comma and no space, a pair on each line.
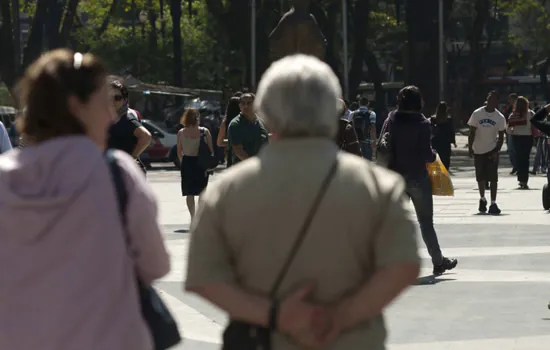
312,325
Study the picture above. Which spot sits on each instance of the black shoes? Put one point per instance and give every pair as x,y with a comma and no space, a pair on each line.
493,208
448,264
482,205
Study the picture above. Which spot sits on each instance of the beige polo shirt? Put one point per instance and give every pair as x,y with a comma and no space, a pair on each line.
248,220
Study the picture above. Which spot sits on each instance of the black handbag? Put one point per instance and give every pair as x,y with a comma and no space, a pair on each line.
160,322
206,161
241,335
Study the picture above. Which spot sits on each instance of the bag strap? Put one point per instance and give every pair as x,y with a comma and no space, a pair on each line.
304,229
118,182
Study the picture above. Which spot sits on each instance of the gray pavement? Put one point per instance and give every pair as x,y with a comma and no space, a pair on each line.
495,299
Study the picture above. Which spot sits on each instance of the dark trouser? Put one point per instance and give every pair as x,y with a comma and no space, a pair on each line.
511,151
444,152
522,147
419,190
541,154
366,149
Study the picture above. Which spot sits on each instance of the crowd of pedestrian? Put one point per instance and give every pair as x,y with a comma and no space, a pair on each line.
80,241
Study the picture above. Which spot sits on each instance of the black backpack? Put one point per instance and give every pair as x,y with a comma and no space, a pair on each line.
362,125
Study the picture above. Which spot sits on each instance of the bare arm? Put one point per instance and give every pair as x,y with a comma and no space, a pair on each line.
500,141
395,259
471,139
376,294
143,140
240,152
239,304
180,144
221,135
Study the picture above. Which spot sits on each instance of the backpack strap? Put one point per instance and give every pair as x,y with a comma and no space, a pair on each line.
118,182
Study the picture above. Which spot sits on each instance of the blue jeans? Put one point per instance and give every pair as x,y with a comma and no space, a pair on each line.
419,190
366,149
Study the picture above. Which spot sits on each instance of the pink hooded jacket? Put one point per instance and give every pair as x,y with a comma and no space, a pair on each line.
66,279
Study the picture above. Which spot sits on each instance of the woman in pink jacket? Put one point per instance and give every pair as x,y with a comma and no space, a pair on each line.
67,280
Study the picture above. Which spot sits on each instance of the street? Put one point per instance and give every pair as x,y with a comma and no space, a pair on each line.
496,298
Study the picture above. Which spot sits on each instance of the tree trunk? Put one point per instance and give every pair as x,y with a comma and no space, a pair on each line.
360,15
34,45
153,36
422,50
377,77
543,74
175,12
327,23
107,19
190,8
482,15
68,22
8,66
162,22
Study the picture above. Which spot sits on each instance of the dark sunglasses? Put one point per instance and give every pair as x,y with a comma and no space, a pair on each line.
118,98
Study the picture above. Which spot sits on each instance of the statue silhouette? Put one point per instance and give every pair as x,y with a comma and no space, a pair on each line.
297,32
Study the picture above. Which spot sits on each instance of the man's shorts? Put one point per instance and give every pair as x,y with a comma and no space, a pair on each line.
486,167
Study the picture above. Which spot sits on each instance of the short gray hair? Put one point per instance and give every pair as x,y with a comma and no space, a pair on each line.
298,96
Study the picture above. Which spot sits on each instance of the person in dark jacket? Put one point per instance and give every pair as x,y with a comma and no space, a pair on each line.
412,149
443,134
539,121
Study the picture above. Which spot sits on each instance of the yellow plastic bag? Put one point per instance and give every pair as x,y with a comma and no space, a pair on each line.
440,179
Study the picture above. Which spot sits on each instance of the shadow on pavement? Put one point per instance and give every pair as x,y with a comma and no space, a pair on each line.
487,214
431,280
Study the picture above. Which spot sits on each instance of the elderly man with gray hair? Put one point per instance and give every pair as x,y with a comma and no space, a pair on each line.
303,245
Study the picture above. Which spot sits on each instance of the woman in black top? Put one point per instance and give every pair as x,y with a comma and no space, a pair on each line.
443,134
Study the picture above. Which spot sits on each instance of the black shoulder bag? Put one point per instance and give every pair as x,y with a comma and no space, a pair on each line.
160,322
206,160
241,335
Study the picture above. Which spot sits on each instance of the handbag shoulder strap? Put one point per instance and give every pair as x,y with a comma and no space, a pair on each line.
118,182
304,229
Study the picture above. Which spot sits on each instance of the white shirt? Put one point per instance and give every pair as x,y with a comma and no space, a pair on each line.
487,125
5,144
522,130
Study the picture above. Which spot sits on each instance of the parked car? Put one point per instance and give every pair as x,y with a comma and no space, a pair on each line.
162,147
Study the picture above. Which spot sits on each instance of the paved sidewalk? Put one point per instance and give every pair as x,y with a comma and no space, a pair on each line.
495,299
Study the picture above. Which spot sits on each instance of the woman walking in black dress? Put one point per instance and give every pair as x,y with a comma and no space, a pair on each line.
443,134
193,178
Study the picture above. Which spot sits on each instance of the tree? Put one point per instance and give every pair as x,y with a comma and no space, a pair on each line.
531,21
422,49
53,19
175,12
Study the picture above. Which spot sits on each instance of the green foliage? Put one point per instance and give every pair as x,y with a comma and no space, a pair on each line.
5,97
530,21
129,52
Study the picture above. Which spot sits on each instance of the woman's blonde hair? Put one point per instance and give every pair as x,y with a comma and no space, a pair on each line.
521,106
